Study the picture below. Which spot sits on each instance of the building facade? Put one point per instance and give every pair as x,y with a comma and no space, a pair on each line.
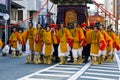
30,10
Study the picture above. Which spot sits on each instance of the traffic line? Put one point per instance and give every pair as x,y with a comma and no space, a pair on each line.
97,78
53,75
63,68
23,78
76,66
100,67
103,70
60,71
37,79
118,62
102,74
80,72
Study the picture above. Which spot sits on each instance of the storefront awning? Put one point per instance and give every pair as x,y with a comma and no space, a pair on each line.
15,5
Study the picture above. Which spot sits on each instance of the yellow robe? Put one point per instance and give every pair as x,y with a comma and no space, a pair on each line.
1,43
38,43
95,37
47,39
116,41
29,35
14,37
88,32
77,35
108,40
63,34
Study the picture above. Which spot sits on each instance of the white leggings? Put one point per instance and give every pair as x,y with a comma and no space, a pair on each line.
65,53
77,52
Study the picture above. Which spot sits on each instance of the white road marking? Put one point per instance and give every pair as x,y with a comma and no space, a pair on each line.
60,71
102,74
97,78
76,66
103,67
37,79
37,72
54,75
118,62
64,68
102,70
80,72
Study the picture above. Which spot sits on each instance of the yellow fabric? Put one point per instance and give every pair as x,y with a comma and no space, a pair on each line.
76,41
47,39
107,38
114,37
63,34
14,38
81,33
38,45
96,37
54,38
1,43
29,35
88,32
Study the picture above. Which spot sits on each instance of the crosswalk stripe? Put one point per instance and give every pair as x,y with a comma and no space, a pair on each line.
70,66
103,70
36,79
60,71
108,66
80,72
97,78
102,74
54,75
64,68
38,72
103,67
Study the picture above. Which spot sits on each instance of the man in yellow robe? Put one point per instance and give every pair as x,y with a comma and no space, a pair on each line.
63,49
78,38
38,39
28,36
116,42
97,44
14,38
48,45
109,45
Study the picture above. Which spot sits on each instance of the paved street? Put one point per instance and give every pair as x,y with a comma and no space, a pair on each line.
16,69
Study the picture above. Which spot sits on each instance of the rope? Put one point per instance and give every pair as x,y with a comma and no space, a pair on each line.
27,18
110,15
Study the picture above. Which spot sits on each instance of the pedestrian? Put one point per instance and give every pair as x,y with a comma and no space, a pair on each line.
38,40
14,38
116,43
63,49
97,44
28,36
78,43
47,45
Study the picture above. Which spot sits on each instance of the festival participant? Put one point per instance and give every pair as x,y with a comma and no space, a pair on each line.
78,43
38,39
86,48
116,43
63,49
14,38
55,41
28,36
48,45
20,44
109,43
97,44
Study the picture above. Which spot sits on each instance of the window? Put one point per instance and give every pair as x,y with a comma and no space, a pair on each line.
13,14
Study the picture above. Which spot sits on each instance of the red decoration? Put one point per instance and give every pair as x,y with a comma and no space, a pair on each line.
102,46
83,25
92,24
